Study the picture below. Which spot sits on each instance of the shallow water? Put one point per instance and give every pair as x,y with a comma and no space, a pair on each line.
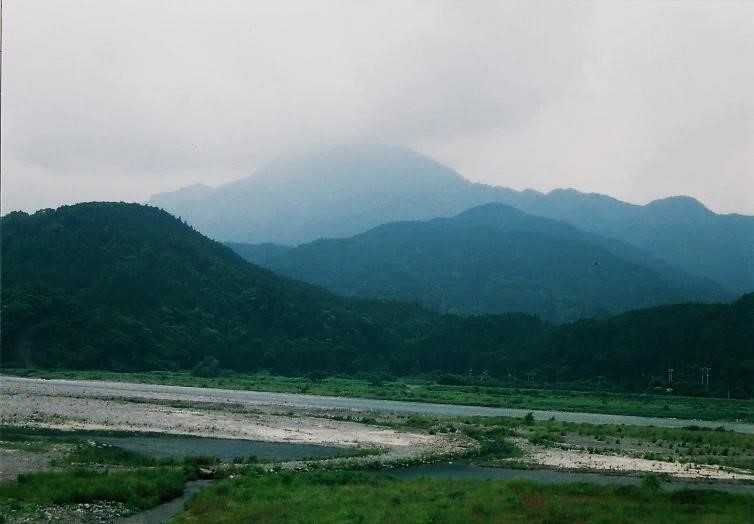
224,449
462,470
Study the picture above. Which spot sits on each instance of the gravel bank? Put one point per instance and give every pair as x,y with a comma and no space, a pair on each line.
41,403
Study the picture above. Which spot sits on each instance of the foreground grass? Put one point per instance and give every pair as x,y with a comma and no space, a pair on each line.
137,489
422,391
324,497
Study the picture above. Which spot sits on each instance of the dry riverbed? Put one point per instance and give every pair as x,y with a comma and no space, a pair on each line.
42,404
212,413
577,459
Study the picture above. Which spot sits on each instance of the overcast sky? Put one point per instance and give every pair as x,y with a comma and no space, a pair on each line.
116,100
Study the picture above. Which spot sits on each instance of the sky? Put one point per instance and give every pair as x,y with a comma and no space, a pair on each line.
118,100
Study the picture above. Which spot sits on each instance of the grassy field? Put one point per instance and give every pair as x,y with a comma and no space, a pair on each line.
84,471
324,497
137,489
418,390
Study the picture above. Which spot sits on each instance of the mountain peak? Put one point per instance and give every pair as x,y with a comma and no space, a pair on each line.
679,204
184,194
335,193
491,210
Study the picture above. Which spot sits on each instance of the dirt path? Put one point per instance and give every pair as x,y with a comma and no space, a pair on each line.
15,461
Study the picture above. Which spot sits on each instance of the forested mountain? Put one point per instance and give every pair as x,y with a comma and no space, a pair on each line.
123,286
349,190
337,193
635,348
489,259
131,287
679,230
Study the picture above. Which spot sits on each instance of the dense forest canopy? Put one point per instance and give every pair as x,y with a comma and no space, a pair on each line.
130,287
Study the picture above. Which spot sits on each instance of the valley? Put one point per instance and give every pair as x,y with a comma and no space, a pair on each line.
152,374
43,419
377,263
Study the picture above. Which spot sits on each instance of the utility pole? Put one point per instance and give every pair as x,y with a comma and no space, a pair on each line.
705,375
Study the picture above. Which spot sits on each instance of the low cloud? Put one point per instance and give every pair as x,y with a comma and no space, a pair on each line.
117,100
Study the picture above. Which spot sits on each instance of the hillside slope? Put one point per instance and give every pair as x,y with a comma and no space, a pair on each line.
678,230
489,259
131,287
123,286
349,190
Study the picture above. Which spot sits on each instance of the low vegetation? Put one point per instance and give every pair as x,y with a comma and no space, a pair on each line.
137,489
350,497
689,444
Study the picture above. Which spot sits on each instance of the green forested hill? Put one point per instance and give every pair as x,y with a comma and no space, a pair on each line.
124,286
489,259
635,348
680,230
129,286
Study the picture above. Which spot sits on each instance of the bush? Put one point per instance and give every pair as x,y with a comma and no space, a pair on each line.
209,367
138,489
651,482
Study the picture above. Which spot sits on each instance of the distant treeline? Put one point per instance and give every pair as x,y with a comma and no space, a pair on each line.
130,287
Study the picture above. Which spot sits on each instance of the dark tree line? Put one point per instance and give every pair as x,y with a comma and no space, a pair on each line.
130,287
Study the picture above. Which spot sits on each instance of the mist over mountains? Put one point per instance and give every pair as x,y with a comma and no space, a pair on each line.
338,193
349,190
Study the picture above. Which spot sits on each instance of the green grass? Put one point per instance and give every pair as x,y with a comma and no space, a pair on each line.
420,390
138,489
689,444
324,497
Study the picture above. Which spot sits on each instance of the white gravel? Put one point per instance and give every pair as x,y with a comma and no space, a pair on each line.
40,403
582,460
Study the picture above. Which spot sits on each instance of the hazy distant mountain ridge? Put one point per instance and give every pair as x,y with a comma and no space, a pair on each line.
679,230
349,190
489,259
338,193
